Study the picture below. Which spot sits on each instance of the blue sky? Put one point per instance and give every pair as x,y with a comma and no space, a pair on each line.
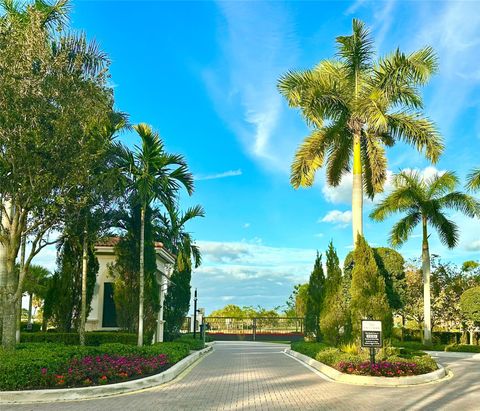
204,75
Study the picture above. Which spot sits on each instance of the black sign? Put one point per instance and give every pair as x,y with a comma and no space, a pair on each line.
371,334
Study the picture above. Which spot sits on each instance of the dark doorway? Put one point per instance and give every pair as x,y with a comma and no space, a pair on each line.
109,312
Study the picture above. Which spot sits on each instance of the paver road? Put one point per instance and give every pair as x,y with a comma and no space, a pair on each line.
259,376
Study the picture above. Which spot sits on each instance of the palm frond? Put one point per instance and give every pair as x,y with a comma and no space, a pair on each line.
191,213
375,164
473,180
462,202
403,228
440,184
417,131
447,230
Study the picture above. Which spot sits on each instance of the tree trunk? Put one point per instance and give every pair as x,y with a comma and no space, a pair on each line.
357,190
19,302
427,321
83,309
142,276
9,320
30,305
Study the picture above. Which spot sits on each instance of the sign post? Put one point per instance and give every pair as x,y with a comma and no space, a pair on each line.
372,336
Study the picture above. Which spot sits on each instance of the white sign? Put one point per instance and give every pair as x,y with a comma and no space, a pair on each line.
371,325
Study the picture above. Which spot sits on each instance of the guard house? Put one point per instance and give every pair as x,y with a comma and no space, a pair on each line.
102,314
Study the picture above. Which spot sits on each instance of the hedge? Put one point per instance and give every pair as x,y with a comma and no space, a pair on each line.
22,368
94,338
194,344
462,348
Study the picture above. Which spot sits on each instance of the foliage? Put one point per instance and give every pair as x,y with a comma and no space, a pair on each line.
391,265
473,180
36,280
126,275
93,338
28,366
309,349
470,304
369,299
193,344
63,297
463,348
388,368
315,298
232,310
177,302
297,302
334,315
54,99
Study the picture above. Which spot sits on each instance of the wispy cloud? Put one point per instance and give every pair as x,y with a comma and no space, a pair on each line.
255,51
230,173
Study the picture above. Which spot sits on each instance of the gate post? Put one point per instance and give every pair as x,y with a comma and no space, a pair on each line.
254,329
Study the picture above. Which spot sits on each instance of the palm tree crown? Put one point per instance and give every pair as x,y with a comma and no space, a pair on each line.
357,106
424,200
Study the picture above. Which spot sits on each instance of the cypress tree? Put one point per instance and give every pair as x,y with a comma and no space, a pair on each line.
316,293
333,316
368,291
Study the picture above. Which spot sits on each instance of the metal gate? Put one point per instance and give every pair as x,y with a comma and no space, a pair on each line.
254,329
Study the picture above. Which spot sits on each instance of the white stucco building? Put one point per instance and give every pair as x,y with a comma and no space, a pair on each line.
102,314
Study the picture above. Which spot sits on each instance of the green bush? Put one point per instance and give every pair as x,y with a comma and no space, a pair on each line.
194,344
35,327
94,338
22,369
309,349
462,348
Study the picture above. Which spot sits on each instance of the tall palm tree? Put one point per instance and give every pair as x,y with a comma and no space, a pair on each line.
151,174
473,180
424,201
356,106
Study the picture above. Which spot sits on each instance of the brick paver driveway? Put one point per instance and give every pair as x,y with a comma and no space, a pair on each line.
258,376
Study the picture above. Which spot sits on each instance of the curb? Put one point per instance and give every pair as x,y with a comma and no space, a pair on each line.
338,376
83,393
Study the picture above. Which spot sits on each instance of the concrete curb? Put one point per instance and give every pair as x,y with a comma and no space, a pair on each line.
83,393
338,376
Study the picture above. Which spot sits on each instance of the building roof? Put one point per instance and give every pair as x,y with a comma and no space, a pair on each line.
113,241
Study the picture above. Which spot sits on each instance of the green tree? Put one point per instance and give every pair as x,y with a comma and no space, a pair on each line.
470,305
391,265
152,174
334,314
125,271
315,297
35,285
368,291
172,232
297,302
53,96
424,200
357,106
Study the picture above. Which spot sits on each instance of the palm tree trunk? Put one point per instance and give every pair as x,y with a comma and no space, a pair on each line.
357,190
19,302
427,320
30,306
142,276
83,309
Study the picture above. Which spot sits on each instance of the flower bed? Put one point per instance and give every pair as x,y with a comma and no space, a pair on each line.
38,366
391,362
379,369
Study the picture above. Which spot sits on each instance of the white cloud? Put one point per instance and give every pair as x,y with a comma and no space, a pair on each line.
246,225
229,173
473,246
341,218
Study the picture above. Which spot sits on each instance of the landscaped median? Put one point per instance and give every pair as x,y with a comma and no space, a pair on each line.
55,372
349,364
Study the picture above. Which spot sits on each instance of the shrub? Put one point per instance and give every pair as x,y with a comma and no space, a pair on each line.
94,338
462,348
194,344
309,349
351,348
386,368
31,365
35,327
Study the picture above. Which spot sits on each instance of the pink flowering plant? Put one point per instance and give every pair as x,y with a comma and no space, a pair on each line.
380,368
103,369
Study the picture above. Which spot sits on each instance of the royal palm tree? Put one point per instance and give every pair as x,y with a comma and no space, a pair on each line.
357,106
151,174
473,180
425,201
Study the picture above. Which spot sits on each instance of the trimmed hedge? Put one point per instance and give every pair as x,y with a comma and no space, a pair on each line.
22,368
94,338
462,348
194,344
310,349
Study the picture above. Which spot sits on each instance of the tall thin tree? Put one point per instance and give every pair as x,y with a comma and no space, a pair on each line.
425,201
